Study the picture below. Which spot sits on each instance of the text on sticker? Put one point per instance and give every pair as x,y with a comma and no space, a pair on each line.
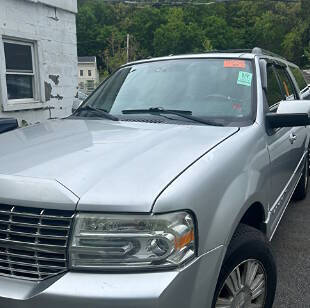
245,78
234,63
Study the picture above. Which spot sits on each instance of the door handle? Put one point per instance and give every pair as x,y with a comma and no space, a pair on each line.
292,138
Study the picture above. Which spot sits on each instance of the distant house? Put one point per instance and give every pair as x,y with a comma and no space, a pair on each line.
38,58
88,74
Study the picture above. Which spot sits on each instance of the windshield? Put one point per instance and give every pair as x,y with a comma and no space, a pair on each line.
215,89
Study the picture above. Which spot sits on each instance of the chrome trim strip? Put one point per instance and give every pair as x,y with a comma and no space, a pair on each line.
289,182
289,199
33,241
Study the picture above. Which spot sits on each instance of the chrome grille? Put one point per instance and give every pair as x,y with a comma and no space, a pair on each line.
33,241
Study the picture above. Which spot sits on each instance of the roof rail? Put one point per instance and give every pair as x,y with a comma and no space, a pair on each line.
230,51
263,52
256,50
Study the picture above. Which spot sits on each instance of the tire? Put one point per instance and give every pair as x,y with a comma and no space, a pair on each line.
249,249
301,190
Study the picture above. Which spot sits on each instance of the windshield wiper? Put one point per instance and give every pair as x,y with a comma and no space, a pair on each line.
103,113
182,113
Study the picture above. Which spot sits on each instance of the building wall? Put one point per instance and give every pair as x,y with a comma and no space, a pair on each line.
68,5
53,34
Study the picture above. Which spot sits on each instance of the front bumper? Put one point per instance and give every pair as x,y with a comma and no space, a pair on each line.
191,287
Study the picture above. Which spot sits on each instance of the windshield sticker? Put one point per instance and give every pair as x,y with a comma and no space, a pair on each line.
245,79
234,63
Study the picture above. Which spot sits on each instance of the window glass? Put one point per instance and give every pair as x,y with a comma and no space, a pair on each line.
219,89
20,75
89,73
299,78
286,84
18,57
81,73
19,86
274,94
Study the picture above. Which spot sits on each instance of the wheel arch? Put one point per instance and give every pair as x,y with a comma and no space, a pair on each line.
253,214
255,217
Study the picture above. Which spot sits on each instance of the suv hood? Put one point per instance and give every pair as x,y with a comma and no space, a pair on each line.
109,166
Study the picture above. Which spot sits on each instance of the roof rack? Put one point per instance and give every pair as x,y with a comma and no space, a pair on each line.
263,52
256,50
230,51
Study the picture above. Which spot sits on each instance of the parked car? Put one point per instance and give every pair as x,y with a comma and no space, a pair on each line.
79,99
7,124
164,189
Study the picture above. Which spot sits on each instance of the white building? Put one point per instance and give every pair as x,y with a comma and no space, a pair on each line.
88,74
38,58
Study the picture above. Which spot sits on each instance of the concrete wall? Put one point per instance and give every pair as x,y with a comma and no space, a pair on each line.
54,38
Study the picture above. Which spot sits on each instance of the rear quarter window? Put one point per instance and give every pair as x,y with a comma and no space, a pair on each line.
299,77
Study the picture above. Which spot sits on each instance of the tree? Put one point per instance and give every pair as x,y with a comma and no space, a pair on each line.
177,37
102,28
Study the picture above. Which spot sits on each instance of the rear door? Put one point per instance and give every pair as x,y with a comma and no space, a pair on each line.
285,145
290,93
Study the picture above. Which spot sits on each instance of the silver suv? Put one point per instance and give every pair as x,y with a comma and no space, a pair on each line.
162,190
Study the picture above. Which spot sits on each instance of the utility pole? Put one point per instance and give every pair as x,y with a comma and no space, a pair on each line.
128,36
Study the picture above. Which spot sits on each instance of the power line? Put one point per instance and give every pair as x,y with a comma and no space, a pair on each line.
176,3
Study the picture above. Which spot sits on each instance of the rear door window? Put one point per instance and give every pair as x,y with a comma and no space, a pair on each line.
286,84
299,77
274,92
301,82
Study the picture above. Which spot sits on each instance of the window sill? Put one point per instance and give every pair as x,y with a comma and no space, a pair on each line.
22,105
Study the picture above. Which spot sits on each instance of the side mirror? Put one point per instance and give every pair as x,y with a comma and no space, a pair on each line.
275,120
76,104
7,124
290,114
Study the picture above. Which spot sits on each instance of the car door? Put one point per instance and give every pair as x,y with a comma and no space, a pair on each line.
286,145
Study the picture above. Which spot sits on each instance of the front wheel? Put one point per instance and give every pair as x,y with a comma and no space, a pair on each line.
248,277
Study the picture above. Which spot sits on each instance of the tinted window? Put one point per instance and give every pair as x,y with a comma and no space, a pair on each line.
299,78
274,94
286,84
220,89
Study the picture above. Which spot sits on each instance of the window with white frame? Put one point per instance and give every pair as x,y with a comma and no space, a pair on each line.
20,71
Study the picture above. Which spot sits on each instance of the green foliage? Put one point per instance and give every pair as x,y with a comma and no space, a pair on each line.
102,29
176,36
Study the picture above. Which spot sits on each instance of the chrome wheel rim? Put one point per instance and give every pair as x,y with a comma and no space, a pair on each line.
245,287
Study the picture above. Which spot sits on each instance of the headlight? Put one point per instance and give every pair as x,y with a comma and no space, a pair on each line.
105,241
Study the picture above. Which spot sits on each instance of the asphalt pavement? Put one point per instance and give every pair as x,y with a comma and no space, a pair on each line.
291,245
